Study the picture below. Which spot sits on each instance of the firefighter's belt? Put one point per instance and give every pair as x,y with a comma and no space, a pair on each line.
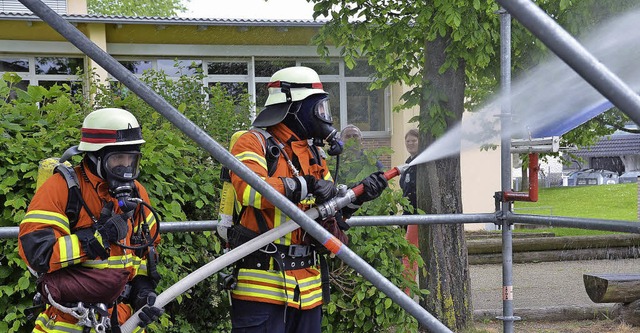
285,258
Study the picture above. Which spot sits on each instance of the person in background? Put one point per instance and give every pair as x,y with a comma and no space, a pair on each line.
408,185
408,177
280,289
354,161
97,262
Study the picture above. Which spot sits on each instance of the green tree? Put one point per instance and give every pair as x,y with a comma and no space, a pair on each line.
448,50
157,8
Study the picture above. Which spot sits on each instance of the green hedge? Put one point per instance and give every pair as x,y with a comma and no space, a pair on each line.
183,182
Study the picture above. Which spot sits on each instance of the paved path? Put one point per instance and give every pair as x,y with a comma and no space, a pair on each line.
544,284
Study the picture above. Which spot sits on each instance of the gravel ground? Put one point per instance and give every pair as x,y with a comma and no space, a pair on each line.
540,285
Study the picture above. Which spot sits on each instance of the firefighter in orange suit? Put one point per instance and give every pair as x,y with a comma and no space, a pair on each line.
103,258
279,288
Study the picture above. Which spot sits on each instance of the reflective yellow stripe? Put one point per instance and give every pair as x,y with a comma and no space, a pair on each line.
251,156
50,326
249,279
251,197
45,217
150,220
142,268
278,219
328,177
128,260
69,247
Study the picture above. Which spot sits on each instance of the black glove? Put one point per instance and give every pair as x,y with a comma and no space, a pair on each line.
92,243
112,228
296,189
373,187
149,313
143,298
323,190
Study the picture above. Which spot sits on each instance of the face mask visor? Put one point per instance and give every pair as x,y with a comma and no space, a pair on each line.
322,111
122,165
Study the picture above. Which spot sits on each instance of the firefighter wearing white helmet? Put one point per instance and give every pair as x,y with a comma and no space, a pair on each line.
289,279
90,233
298,92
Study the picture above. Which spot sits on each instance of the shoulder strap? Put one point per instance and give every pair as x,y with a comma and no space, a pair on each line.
271,148
74,203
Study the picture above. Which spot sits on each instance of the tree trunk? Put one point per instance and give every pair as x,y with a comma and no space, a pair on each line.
443,247
524,181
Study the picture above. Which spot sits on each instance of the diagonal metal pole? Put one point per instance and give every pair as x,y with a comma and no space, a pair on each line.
575,55
111,65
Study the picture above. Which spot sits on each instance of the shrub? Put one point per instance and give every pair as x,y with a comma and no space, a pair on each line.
183,183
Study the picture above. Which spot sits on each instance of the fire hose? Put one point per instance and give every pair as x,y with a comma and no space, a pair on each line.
327,209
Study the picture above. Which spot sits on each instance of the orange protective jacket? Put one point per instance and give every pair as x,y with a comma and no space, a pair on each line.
270,286
46,243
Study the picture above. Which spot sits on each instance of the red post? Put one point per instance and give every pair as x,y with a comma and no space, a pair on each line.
532,195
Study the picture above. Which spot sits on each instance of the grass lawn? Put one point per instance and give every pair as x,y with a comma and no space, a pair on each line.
611,202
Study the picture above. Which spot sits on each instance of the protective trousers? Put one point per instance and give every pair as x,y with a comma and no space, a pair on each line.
258,317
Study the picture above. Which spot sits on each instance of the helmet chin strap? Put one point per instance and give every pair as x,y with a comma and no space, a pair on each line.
97,162
300,129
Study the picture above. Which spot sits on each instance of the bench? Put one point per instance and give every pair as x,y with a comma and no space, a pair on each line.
623,289
612,288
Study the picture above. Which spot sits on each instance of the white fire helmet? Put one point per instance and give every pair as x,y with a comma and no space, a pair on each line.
109,127
286,86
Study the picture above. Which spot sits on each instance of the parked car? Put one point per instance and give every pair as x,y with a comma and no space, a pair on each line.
592,177
629,177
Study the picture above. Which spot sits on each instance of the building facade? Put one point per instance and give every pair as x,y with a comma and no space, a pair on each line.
238,54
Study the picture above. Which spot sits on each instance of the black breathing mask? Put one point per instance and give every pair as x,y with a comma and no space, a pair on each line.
315,116
121,169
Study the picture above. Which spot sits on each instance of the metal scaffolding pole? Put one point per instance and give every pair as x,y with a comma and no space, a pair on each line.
575,55
374,221
362,221
505,162
576,222
199,136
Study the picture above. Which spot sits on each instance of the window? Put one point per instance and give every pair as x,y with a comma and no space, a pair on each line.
137,66
177,68
266,68
227,68
322,68
45,71
18,65
366,107
348,89
75,86
59,65
232,88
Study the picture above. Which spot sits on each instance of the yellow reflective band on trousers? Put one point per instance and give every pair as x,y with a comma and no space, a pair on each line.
50,218
69,250
269,287
46,325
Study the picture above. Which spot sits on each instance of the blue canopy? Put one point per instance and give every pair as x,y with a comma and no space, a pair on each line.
573,121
